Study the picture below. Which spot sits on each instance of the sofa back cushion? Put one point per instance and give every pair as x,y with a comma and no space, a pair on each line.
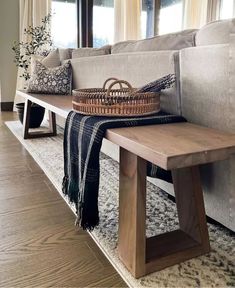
88,52
217,32
137,68
173,41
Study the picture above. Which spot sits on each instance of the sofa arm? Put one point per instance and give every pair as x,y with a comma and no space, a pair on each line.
205,97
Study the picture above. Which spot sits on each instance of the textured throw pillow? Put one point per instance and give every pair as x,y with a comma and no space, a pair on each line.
57,80
65,54
50,61
35,58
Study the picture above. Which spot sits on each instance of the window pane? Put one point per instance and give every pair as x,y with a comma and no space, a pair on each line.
64,23
103,22
171,16
226,9
167,3
147,18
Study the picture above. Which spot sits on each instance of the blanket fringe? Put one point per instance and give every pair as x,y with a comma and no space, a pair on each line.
65,185
85,226
82,221
78,222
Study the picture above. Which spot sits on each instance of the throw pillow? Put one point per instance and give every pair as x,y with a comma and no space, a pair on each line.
65,54
35,58
50,61
57,80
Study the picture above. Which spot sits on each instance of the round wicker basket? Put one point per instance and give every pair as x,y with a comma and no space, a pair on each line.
120,102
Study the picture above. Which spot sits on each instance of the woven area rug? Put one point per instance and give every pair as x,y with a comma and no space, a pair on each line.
215,269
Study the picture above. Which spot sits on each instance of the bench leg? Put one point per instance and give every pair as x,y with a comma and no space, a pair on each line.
132,212
27,109
52,124
140,255
190,205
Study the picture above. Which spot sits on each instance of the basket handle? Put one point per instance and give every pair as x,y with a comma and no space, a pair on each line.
120,82
108,80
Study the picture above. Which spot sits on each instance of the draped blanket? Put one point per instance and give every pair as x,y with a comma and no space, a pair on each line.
82,143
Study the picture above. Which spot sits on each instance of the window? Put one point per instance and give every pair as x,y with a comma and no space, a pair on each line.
64,23
147,18
227,9
171,16
103,22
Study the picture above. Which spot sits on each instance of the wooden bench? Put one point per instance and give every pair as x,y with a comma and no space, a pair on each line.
178,147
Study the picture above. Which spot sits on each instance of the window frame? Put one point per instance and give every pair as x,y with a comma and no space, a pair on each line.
85,21
85,18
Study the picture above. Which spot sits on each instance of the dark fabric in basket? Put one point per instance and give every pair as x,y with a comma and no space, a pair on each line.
82,143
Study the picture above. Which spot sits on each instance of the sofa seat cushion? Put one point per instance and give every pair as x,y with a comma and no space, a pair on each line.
217,32
173,41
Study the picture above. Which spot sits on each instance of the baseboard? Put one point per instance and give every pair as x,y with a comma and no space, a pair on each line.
6,106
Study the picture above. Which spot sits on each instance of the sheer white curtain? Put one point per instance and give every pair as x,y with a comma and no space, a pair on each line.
213,10
127,20
195,13
31,14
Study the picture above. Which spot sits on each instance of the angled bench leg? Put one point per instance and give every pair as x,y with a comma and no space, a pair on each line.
143,255
132,212
190,205
27,109
27,134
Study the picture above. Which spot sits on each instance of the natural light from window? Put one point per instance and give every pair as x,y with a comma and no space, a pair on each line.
143,24
64,24
171,18
103,25
226,10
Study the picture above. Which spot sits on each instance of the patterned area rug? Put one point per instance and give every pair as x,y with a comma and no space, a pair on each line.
213,270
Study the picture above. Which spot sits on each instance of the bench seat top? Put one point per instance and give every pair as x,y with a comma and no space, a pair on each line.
169,146
176,145
59,104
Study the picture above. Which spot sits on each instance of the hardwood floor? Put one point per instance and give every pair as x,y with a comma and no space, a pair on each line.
39,245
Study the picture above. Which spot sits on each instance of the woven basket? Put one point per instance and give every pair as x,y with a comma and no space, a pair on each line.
115,102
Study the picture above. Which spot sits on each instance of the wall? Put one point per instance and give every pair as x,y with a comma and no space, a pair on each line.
9,32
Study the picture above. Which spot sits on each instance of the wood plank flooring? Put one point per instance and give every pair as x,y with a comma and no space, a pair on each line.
39,245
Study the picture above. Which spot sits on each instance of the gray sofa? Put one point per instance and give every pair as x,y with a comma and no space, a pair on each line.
203,62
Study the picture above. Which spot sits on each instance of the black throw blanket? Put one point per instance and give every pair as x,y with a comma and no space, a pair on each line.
82,143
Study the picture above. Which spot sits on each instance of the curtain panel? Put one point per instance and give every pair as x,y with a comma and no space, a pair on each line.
213,10
31,14
127,20
195,13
